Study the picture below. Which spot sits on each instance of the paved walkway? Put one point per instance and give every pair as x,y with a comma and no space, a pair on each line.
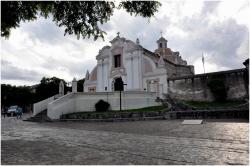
140,142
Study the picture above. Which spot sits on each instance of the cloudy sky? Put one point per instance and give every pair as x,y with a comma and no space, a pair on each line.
219,29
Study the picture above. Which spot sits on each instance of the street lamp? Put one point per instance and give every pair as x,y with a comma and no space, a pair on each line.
106,89
120,89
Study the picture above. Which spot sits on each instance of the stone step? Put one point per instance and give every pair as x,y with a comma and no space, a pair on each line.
28,120
41,117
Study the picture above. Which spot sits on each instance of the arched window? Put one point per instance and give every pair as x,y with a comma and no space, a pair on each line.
160,45
117,60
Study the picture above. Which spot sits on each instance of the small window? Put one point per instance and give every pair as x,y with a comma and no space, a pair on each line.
117,61
160,45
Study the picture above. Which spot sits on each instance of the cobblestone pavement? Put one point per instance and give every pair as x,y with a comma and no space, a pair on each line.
138,142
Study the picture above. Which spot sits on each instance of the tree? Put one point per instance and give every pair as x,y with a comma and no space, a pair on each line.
82,18
80,85
16,95
48,87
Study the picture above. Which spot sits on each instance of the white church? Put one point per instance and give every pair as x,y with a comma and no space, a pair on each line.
126,64
127,76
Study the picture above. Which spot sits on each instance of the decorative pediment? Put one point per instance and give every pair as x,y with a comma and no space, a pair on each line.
104,52
117,40
117,50
128,45
118,71
131,46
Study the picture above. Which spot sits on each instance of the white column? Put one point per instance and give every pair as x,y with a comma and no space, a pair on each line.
74,85
140,68
100,77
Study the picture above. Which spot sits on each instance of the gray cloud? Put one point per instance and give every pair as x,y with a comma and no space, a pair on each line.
225,43
221,41
76,69
11,72
130,27
209,7
44,30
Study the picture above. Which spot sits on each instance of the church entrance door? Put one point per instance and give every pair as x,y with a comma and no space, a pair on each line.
118,84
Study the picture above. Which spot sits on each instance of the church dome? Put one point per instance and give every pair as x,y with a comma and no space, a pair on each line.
162,39
168,51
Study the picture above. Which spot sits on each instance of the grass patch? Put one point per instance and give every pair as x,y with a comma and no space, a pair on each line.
224,104
146,109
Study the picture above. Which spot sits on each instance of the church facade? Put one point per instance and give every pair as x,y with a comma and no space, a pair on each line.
127,66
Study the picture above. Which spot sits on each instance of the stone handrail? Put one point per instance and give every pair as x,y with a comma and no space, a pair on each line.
63,98
61,105
42,105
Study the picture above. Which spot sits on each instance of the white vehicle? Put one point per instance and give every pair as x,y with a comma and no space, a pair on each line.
12,110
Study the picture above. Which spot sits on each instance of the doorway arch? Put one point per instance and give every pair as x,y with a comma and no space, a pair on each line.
118,84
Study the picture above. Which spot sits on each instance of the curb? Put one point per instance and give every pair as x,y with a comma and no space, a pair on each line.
115,119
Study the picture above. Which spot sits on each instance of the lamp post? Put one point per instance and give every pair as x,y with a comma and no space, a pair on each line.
120,89
106,88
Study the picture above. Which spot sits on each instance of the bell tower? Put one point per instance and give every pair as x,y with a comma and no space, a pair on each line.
162,48
162,43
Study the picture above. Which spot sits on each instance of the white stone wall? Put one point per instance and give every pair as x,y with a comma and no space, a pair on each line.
83,102
130,73
42,105
63,105
99,76
89,84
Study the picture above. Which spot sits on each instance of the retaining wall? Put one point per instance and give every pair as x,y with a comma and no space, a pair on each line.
85,102
195,87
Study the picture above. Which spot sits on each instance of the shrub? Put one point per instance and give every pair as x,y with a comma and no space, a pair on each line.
218,89
102,106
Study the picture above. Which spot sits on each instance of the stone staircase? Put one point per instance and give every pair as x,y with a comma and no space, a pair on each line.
40,117
40,109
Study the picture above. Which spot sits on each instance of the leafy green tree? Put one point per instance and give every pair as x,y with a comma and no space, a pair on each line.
82,18
80,85
16,95
48,87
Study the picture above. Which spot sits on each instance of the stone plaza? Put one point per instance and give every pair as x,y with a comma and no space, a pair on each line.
165,142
